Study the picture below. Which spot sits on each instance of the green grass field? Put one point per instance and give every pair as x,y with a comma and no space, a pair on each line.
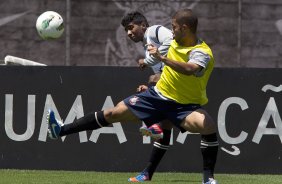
71,177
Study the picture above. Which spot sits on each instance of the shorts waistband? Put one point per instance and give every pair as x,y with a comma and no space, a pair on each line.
159,93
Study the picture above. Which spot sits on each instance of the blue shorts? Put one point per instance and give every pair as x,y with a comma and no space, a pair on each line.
149,107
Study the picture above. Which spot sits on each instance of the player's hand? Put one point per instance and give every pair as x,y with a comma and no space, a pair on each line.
153,50
142,64
141,88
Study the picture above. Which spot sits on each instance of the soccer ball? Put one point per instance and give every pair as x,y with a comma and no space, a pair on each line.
50,25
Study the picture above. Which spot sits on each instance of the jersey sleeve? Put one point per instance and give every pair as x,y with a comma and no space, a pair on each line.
200,58
162,37
165,37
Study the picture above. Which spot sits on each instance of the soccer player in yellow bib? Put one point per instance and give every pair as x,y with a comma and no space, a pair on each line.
184,80
177,97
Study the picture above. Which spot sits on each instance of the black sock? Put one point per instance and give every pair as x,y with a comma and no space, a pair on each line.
209,148
159,149
91,121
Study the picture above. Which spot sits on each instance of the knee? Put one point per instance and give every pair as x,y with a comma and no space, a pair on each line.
208,124
117,113
111,114
209,127
108,113
202,125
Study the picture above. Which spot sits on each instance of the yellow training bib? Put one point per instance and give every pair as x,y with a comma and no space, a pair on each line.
185,89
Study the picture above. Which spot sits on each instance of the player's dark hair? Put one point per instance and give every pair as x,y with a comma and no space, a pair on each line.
134,17
187,17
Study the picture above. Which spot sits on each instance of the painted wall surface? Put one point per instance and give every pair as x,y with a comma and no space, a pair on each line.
242,33
245,103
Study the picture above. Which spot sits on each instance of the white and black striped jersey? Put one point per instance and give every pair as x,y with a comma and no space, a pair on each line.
161,37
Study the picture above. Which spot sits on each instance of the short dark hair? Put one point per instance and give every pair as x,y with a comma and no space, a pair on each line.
135,17
186,16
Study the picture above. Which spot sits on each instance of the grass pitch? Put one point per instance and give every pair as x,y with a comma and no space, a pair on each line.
73,177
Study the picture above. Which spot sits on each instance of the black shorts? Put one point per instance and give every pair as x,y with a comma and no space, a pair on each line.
151,108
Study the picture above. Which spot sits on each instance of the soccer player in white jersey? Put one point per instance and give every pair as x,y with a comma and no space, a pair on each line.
138,30
178,96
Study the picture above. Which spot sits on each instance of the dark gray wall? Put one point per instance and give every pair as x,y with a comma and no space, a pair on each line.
242,33
247,111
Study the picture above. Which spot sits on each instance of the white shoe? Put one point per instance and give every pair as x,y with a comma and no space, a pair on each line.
211,181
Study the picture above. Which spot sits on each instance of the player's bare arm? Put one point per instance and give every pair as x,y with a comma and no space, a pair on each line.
181,67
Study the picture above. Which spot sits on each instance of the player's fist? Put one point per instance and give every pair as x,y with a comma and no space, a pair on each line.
142,64
141,88
153,51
